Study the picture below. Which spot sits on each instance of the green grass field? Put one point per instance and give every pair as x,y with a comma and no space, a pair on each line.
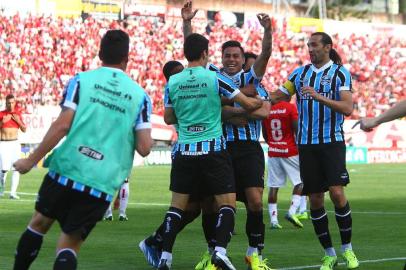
377,195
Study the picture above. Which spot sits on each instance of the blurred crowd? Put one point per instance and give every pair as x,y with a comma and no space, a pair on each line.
38,55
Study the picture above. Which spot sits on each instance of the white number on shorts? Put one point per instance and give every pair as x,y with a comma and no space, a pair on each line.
276,127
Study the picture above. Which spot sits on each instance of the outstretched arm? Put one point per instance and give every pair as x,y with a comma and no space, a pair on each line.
262,61
55,133
397,111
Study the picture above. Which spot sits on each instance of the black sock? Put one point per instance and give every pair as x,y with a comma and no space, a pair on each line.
171,228
209,228
225,225
188,217
156,238
320,224
344,221
66,260
255,229
27,249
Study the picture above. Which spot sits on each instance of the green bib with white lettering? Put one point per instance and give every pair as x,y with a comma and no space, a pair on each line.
196,101
99,148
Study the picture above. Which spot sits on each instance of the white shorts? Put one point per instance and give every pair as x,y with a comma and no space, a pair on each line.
279,168
10,152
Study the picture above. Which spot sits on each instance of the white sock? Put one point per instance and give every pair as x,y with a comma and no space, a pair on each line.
344,247
330,251
251,250
303,204
15,180
109,211
294,205
221,250
124,195
4,178
167,256
273,212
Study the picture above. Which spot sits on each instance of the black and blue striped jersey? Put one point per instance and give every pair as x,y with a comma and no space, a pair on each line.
318,123
251,131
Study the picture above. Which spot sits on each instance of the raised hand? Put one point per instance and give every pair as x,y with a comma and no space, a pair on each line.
187,11
265,21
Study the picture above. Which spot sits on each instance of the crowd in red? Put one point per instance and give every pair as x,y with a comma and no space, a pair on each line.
39,54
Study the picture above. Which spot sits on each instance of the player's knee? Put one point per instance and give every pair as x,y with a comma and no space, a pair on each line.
316,200
255,205
40,223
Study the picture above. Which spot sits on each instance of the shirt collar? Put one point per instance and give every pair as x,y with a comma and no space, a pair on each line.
327,65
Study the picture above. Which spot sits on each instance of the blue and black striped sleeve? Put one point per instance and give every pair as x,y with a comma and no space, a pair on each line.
70,96
344,79
212,67
226,86
143,120
167,99
289,87
262,91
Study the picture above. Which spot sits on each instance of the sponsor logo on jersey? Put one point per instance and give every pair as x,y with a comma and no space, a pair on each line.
277,111
87,151
325,80
196,128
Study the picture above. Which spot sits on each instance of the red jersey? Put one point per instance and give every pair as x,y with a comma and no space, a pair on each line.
279,130
12,123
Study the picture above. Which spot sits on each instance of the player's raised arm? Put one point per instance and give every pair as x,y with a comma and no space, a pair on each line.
262,61
187,15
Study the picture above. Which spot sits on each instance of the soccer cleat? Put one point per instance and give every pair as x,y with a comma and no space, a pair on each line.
108,218
221,261
350,259
122,218
276,226
303,216
14,197
210,266
254,262
164,265
328,262
151,253
294,220
204,261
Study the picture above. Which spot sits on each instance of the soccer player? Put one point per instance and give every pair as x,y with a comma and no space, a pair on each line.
10,150
397,111
242,136
324,98
86,170
193,103
151,247
279,130
121,202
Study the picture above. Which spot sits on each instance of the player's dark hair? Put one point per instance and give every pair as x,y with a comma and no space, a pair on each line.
195,45
232,43
114,47
10,96
248,55
169,67
326,40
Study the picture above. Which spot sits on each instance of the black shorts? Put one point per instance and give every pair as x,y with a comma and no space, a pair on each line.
202,175
322,166
74,210
248,164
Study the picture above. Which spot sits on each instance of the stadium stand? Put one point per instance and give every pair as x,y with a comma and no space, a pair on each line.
38,54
